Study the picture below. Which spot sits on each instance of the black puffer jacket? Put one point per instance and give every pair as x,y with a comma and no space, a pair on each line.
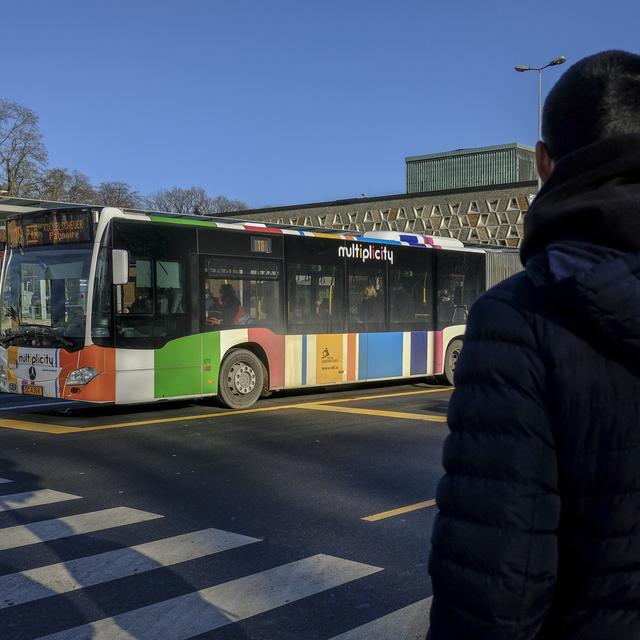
538,533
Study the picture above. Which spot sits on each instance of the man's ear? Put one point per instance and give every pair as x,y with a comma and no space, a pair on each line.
544,162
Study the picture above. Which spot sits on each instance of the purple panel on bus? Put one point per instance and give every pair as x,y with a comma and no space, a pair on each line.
418,352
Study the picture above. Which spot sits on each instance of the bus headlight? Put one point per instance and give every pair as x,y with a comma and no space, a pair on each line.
81,376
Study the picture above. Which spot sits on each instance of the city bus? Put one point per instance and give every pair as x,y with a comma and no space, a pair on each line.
118,306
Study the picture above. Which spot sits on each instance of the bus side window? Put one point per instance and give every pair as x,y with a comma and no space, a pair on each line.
237,292
460,281
315,297
169,287
152,308
367,298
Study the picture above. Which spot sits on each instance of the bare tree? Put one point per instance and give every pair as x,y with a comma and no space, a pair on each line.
193,200
222,204
179,200
23,155
80,189
117,194
64,186
54,184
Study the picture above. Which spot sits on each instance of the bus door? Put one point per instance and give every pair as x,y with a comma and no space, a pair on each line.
157,355
315,351
377,348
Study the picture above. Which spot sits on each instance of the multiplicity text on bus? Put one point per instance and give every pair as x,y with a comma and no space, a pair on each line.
118,306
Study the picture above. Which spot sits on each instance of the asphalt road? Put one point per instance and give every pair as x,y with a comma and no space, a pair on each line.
186,520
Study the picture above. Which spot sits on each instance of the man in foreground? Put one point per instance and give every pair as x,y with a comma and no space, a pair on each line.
538,534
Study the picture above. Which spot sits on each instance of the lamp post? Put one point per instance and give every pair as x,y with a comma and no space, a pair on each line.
522,68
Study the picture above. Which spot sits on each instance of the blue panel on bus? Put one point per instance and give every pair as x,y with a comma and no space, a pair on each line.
418,352
384,355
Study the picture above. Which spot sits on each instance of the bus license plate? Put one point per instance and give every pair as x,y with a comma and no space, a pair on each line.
32,390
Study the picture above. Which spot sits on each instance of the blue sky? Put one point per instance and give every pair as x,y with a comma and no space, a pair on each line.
279,102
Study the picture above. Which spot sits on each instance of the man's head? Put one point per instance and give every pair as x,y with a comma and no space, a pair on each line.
598,97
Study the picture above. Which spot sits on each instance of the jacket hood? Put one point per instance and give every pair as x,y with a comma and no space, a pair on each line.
593,196
582,241
598,290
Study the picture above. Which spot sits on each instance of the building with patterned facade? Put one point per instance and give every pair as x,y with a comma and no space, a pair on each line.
488,215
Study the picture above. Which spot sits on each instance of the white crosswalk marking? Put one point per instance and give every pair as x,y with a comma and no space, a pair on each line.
33,499
408,623
189,615
63,577
202,611
46,530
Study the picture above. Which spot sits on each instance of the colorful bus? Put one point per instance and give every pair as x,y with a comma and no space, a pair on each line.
116,306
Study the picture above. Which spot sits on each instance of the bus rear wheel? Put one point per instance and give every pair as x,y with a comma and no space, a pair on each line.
241,379
451,359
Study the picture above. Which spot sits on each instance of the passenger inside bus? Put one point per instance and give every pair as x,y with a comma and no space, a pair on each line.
142,303
370,304
226,309
232,310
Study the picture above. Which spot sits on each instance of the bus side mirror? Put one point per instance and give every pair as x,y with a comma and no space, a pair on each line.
120,264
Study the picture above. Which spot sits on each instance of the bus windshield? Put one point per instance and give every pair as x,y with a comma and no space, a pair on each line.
44,296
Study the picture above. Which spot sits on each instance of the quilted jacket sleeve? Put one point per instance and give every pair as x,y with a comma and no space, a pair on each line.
494,543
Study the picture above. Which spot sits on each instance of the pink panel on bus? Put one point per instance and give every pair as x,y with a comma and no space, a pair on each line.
273,345
438,360
352,368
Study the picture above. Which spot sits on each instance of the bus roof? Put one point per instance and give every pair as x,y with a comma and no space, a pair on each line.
220,222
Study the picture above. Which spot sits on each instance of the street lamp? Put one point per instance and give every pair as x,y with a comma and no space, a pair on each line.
522,68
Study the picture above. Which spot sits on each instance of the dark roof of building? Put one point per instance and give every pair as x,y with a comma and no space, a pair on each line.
14,205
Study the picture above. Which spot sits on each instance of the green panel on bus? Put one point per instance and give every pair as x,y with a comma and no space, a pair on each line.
210,361
180,366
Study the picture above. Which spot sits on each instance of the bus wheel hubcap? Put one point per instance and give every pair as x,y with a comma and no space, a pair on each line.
244,378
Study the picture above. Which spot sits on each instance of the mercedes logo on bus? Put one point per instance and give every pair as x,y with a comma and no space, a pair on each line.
32,373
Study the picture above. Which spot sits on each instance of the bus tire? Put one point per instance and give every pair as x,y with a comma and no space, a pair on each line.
451,359
241,379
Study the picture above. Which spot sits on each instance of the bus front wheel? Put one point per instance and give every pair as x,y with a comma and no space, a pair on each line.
451,359
241,379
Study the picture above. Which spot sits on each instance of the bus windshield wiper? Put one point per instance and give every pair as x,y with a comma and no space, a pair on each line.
36,331
50,332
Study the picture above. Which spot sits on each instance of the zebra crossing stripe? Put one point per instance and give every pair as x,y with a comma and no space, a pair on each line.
33,499
408,623
203,611
35,584
5,480
46,530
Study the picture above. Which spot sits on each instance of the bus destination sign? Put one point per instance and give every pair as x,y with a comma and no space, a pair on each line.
51,228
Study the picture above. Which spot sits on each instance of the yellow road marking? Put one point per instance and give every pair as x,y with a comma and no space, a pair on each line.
386,395
399,511
23,425
374,412
45,428
59,429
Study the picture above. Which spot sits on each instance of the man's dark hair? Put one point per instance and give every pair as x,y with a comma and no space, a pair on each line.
598,97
